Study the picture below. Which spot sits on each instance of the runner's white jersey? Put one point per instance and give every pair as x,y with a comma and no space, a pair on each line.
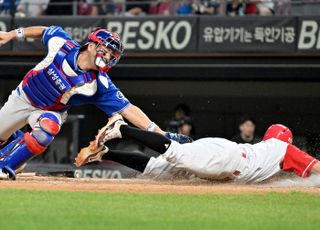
263,159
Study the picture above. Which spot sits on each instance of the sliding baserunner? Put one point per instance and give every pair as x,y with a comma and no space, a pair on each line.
209,158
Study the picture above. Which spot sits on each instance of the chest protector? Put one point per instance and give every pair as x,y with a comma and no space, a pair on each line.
46,87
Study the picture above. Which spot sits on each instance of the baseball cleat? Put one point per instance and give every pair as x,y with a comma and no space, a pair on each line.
111,130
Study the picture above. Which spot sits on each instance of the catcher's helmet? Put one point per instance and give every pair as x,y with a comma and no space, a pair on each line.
279,132
110,40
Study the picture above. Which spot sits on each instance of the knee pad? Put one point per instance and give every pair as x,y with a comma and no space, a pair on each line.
41,136
49,123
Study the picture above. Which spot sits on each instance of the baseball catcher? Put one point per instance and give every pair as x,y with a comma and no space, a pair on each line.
207,158
68,75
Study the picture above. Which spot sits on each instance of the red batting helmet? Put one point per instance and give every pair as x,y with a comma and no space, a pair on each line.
279,132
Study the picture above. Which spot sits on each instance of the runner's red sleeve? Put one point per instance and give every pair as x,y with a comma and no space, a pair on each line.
297,161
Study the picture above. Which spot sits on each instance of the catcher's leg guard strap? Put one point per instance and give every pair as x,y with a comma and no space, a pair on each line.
16,135
12,141
33,144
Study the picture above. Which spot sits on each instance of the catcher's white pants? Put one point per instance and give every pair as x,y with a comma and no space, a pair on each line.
18,112
209,158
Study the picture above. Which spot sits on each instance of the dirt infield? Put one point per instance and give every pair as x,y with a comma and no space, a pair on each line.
144,186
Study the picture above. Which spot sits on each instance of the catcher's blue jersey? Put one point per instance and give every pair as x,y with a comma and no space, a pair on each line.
57,82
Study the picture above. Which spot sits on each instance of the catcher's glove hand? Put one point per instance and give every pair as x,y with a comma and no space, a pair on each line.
97,149
90,154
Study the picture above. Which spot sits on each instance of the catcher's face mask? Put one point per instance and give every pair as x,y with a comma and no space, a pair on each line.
105,58
107,42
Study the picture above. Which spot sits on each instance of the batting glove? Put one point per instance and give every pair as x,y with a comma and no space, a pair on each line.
182,139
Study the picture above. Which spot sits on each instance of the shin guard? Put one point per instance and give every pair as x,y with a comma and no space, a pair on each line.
31,144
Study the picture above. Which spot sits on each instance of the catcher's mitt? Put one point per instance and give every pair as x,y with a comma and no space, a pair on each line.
90,154
97,149
105,131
